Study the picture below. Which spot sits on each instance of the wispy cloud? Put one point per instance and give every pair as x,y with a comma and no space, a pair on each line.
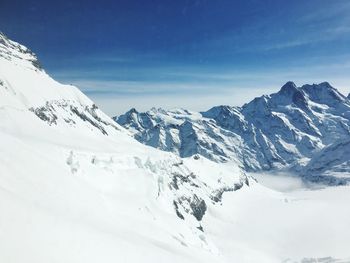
317,24
144,88
230,67
335,10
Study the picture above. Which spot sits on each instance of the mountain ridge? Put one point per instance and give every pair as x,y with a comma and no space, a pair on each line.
282,130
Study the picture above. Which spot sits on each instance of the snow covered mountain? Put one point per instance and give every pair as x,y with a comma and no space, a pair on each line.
278,131
76,187
331,164
64,156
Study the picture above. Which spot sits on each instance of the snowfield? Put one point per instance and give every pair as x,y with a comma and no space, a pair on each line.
76,187
262,225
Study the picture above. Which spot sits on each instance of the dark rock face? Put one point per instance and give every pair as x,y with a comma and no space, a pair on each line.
300,100
192,205
70,113
84,117
46,113
218,193
199,207
288,89
188,201
176,207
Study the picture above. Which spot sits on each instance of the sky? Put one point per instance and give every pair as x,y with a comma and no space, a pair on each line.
183,53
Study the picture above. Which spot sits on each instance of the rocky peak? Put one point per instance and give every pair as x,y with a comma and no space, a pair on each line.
290,94
288,89
258,106
132,110
300,100
128,117
11,50
216,111
323,93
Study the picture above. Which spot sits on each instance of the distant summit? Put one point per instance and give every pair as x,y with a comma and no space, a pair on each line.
289,88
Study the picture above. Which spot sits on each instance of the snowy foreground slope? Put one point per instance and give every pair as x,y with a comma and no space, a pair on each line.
283,130
75,187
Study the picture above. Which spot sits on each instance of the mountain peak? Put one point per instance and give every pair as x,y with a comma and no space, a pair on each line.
217,110
317,87
11,50
288,89
323,93
132,110
130,115
289,85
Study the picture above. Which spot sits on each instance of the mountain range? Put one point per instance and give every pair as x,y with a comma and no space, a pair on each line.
287,130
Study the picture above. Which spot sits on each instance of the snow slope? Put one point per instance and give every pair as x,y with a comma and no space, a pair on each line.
283,130
75,187
331,165
66,166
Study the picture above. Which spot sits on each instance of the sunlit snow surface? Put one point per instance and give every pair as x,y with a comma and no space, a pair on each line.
75,187
296,224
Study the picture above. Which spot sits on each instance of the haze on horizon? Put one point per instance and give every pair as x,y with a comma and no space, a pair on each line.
188,53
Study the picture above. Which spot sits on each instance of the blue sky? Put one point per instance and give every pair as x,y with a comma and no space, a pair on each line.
184,53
